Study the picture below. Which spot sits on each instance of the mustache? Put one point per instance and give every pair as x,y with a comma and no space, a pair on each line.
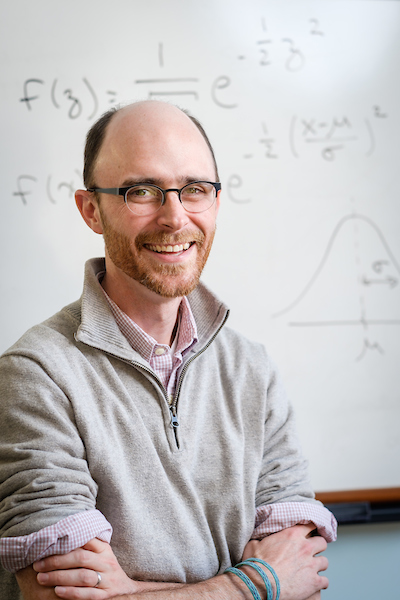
163,238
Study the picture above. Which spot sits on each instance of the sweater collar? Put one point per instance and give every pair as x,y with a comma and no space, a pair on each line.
99,329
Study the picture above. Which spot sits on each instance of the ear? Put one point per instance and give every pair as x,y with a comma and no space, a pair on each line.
89,209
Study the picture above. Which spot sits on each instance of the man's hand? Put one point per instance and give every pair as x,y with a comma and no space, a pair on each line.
293,554
74,575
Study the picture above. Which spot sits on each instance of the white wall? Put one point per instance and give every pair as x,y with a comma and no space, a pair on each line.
302,102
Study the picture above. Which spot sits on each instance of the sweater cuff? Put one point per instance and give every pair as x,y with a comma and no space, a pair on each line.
271,518
68,534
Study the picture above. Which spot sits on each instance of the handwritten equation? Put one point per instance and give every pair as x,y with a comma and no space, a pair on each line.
330,136
327,137
81,99
27,186
268,50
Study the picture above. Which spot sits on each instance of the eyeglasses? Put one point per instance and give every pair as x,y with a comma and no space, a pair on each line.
144,199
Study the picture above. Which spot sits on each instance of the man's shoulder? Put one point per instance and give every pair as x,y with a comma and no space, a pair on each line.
59,329
240,350
235,337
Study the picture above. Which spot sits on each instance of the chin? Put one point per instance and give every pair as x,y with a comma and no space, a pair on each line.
170,286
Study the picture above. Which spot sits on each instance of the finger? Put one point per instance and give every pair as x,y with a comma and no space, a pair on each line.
71,577
305,530
318,544
323,583
321,563
73,593
76,558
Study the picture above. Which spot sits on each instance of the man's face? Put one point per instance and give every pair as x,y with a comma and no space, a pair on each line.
158,144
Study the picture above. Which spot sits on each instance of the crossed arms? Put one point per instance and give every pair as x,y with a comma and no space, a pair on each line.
292,553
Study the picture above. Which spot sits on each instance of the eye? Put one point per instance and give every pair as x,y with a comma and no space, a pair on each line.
143,193
194,189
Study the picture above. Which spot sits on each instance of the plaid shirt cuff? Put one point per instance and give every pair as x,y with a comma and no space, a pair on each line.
271,518
62,537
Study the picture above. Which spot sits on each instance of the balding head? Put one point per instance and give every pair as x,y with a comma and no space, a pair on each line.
146,116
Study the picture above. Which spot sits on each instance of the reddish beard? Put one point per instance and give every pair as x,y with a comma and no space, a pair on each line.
168,280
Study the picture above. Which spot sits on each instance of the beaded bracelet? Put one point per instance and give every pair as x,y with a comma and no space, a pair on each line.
249,563
270,569
245,580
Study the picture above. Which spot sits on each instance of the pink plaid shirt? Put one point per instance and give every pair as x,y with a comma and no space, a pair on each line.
162,359
76,530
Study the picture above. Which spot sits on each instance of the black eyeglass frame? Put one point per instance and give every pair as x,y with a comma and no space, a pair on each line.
123,191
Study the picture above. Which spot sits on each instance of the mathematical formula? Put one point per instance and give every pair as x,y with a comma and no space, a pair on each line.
29,187
326,138
81,99
268,50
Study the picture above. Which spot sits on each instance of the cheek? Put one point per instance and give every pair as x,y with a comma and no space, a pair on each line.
206,222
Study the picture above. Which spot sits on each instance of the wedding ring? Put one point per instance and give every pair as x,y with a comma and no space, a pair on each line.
98,579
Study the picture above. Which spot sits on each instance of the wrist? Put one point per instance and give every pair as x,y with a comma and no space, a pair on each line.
257,579
261,585
237,588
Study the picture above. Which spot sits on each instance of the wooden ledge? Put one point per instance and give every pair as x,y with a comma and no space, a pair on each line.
371,495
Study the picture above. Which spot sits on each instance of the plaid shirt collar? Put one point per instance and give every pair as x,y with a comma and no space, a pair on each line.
145,344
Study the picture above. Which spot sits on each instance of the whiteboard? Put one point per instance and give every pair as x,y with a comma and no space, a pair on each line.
301,100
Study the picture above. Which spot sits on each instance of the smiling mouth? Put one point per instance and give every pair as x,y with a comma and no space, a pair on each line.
168,248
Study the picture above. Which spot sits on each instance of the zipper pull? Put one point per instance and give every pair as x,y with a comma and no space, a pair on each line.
174,418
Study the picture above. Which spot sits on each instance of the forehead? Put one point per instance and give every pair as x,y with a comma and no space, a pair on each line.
154,140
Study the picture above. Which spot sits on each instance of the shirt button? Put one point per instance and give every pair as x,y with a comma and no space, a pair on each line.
159,351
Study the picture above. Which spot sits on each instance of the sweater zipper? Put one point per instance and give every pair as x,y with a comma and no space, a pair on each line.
173,407
174,403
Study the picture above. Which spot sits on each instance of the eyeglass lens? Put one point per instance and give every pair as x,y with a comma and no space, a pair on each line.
147,199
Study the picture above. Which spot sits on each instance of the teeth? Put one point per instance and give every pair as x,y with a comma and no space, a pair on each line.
176,248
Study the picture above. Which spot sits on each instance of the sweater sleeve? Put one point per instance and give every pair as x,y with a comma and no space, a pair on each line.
62,537
284,496
44,474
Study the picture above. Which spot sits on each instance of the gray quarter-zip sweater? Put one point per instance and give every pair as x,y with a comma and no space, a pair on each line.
86,424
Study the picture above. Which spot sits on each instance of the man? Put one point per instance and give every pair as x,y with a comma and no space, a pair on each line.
138,407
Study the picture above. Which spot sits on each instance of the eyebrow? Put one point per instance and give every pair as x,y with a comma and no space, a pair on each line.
158,182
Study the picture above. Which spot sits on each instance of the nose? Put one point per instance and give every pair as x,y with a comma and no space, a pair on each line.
172,215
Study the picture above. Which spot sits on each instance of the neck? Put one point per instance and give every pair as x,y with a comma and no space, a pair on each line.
156,315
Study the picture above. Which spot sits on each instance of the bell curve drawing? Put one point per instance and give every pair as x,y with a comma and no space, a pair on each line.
355,285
